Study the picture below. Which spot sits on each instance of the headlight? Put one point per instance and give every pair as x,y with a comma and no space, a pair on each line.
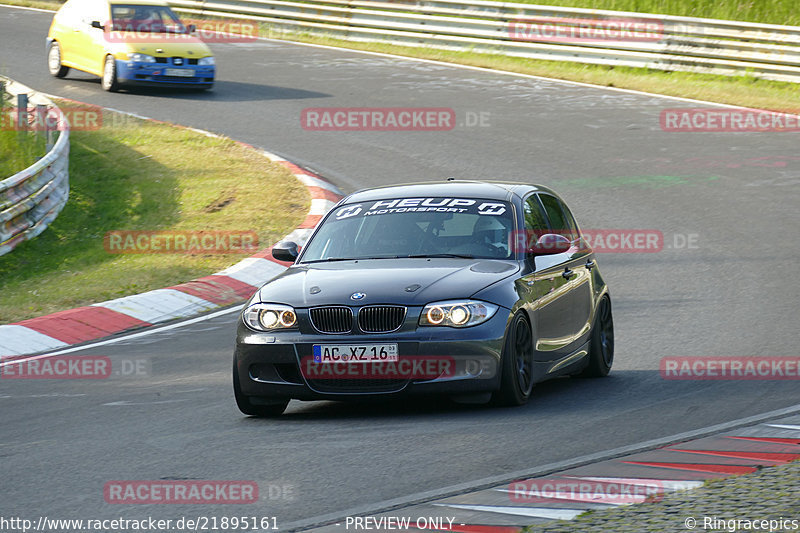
206,61
141,58
456,314
265,317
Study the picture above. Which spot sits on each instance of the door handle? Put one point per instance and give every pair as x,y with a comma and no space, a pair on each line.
567,273
590,264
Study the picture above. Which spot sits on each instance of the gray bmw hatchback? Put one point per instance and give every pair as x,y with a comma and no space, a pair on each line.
474,290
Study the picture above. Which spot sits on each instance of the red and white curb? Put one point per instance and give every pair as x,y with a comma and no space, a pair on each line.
230,286
631,479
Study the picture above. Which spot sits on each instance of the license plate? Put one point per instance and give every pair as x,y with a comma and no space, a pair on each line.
183,73
354,353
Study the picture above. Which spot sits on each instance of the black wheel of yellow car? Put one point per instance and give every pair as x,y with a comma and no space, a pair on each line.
516,381
54,61
601,346
109,80
245,405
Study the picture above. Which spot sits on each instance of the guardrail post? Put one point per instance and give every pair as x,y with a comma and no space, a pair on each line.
4,120
42,124
22,112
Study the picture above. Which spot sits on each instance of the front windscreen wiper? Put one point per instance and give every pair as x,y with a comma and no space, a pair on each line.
351,258
461,256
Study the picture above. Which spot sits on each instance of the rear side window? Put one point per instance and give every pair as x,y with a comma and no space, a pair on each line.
70,12
561,220
535,218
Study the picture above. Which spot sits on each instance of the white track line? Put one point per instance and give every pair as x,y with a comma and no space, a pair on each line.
532,512
145,333
543,470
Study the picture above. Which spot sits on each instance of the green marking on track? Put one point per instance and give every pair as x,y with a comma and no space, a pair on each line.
653,182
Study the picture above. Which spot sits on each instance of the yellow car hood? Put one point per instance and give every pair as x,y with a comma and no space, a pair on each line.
173,45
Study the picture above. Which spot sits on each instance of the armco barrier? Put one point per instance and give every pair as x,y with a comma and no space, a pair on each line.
660,42
31,199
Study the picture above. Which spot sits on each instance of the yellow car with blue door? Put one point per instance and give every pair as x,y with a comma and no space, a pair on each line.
139,43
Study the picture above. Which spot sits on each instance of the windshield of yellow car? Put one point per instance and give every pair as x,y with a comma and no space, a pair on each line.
145,18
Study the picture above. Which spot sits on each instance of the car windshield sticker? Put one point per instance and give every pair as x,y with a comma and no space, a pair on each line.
422,205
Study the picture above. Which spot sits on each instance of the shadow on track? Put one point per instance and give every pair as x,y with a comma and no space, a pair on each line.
562,396
223,91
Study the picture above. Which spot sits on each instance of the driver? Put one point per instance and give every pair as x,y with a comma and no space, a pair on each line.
493,232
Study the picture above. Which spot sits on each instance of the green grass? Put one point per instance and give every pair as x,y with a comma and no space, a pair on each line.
145,176
18,149
766,11
737,90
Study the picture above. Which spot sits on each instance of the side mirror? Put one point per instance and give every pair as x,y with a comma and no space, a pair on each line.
549,244
191,28
96,24
285,251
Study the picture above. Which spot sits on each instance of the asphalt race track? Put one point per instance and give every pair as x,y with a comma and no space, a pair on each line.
733,195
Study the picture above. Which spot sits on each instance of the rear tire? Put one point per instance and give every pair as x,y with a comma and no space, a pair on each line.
516,381
54,61
601,346
246,407
109,79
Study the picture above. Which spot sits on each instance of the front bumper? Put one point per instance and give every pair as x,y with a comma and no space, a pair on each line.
271,365
155,74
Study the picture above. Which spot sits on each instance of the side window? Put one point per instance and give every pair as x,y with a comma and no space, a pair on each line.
535,219
102,13
86,10
69,14
570,219
66,8
561,220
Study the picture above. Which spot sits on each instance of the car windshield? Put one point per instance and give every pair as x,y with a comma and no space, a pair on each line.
414,227
145,18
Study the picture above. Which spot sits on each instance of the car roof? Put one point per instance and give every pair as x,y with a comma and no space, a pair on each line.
494,190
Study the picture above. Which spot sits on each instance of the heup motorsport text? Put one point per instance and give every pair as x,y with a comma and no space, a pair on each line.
439,205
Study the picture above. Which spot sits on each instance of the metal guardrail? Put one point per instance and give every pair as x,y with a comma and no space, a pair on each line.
660,42
31,199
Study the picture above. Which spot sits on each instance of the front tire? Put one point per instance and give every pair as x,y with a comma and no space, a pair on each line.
54,61
601,346
246,407
109,79
516,381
